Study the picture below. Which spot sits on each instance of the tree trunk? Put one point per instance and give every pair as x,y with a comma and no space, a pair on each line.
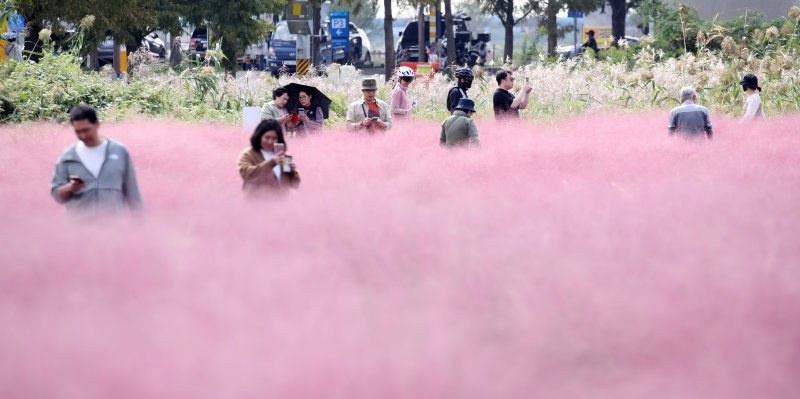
175,55
508,47
316,26
117,57
451,40
552,34
389,37
94,59
508,25
421,33
619,9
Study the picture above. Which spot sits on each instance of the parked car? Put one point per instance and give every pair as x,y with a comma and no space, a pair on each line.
471,48
282,53
360,46
105,51
198,44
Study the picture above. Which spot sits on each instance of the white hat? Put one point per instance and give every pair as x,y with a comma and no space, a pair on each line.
405,71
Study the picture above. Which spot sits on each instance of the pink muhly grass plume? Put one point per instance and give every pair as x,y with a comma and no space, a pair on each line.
592,258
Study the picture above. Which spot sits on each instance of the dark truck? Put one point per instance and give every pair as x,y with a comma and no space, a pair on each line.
471,49
283,49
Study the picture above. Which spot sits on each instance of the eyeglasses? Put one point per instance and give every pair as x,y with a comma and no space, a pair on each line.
368,91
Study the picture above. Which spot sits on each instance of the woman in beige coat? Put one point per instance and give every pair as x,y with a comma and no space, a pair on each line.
261,167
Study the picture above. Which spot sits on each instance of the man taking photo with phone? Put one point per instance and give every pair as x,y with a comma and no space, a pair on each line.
369,113
94,175
507,105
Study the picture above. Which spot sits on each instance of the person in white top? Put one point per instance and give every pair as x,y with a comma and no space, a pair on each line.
96,174
753,109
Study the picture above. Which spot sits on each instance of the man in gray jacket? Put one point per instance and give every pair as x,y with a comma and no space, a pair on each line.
690,120
94,175
459,129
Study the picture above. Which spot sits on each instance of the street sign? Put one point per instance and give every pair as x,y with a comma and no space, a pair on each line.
574,14
340,24
297,10
16,23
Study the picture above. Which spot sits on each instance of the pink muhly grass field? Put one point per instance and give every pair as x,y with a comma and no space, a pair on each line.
593,258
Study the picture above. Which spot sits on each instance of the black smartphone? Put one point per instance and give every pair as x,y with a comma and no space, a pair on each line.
76,179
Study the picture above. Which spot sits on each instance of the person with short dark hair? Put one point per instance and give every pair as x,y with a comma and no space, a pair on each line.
753,109
94,175
690,120
592,43
264,168
464,77
276,109
459,129
507,105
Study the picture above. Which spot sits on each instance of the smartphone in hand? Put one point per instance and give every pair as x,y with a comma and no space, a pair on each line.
76,179
278,148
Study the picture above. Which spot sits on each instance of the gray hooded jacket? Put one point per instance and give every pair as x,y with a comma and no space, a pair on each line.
113,190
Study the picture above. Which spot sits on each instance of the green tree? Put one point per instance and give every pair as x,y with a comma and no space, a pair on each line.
548,10
234,23
510,14
619,12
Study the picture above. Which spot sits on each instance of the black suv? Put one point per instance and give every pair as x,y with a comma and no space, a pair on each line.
470,49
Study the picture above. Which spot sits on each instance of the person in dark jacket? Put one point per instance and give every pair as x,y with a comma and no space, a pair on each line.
464,77
592,43
459,129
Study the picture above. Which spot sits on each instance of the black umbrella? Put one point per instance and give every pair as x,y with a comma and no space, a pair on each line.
317,98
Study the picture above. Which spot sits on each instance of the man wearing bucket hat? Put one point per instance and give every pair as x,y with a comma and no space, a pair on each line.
369,113
753,110
459,129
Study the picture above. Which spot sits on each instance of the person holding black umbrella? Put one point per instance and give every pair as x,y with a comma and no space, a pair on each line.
310,115
308,105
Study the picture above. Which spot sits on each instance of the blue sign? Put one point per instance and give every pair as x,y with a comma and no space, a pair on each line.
341,43
16,23
340,24
574,14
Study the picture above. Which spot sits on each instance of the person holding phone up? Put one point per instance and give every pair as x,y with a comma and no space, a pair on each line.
369,113
276,109
309,115
264,166
507,105
94,175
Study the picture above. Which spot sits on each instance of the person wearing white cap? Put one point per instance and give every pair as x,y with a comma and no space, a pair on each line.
400,103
